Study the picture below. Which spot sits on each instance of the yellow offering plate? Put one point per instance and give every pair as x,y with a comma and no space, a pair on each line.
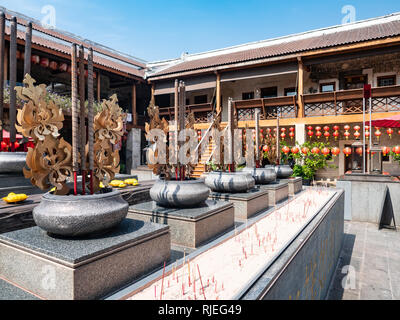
15,198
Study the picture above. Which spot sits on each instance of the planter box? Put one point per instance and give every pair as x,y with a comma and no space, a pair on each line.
278,191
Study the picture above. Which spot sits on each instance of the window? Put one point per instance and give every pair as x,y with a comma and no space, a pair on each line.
327,87
163,100
247,95
387,81
270,92
200,99
290,92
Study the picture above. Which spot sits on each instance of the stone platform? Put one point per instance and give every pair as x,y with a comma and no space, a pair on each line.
277,191
246,204
295,185
77,269
190,227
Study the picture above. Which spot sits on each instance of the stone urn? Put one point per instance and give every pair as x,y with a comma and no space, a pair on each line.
179,194
230,182
12,162
282,171
262,175
76,216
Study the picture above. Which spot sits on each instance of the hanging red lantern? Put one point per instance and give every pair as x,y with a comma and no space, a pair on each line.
44,62
16,144
347,151
291,129
377,133
318,134
269,130
35,59
396,149
367,135
390,132
291,135
310,133
357,134
286,149
336,135
327,135
347,135
336,128
315,150
325,151
4,146
53,65
265,148
283,136
346,127
261,131
335,151
309,128
295,150
305,150
359,151
385,150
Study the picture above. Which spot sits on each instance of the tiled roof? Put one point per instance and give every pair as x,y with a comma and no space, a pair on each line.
291,45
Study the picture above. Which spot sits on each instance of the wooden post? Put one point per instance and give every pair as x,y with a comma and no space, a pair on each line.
13,80
90,118
176,115
300,88
98,87
218,93
257,127
82,115
6,59
2,67
153,99
231,131
75,130
28,49
134,112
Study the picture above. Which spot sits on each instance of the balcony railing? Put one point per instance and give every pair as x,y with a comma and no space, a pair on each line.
284,107
203,112
384,99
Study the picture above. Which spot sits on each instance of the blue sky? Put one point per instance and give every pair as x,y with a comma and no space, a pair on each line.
157,30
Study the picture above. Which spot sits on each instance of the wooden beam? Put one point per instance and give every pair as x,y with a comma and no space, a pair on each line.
300,89
134,112
218,93
28,49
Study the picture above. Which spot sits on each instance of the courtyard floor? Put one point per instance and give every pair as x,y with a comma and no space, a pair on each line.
372,258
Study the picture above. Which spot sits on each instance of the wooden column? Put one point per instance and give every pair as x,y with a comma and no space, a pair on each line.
6,59
98,87
300,88
2,67
176,114
90,118
218,93
28,49
82,115
75,127
134,112
13,80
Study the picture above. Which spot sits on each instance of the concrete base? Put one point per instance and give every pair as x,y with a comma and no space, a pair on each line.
277,191
190,227
246,204
295,185
54,268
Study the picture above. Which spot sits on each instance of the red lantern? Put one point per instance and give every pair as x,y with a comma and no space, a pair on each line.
359,151
291,129
310,133
377,133
336,135
35,59
315,150
269,130
327,135
318,134
286,149
261,131
347,151
346,127
396,149
53,65
336,128
347,135
16,145
4,146
291,135
390,132
367,134
309,128
325,151
335,151
295,150
385,150
305,150
357,134
44,62
265,148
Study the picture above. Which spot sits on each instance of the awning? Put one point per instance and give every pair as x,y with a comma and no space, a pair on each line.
192,84
389,122
272,70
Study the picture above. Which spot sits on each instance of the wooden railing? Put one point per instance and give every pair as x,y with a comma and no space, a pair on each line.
202,112
384,99
284,107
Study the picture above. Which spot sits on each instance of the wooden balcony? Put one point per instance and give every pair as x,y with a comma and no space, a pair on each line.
346,102
202,112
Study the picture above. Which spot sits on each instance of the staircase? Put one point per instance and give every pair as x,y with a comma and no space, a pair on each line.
204,157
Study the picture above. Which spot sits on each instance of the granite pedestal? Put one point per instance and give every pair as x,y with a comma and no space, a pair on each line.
246,204
295,185
277,191
190,227
78,269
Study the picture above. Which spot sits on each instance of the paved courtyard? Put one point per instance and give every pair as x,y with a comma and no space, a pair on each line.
373,260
